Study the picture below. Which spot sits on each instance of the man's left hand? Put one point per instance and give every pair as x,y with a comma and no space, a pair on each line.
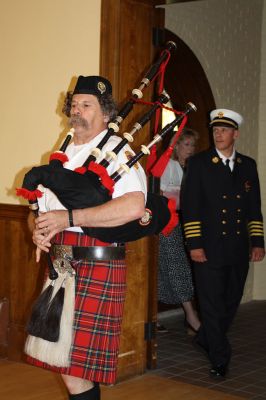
257,254
52,222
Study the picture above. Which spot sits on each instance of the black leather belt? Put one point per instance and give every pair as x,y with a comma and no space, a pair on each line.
93,253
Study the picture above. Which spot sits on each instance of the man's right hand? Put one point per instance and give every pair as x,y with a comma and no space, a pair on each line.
198,255
38,236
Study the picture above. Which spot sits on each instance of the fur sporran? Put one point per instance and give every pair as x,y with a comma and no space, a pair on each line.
51,324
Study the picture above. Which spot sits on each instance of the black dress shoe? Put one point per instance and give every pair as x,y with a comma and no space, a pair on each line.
218,371
161,328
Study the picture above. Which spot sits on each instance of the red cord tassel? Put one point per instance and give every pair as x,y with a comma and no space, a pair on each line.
80,170
28,194
151,159
101,171
158,169
58,155
174,218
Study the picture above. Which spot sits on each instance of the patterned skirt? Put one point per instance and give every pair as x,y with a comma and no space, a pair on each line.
99,299
175,284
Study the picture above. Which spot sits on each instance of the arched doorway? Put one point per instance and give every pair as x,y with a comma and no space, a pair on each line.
185,80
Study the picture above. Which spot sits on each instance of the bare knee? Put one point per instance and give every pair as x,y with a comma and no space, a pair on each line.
76,385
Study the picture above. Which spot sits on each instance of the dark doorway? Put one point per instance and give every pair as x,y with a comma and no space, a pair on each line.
185,80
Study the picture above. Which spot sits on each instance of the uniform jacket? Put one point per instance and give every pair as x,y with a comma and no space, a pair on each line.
222,209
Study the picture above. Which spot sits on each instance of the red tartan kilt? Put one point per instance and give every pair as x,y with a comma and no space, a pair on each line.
100,294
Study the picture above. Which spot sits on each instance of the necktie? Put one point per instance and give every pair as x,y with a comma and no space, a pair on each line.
227,161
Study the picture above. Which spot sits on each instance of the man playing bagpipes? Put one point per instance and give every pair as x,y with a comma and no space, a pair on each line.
92,199
88,202
99,270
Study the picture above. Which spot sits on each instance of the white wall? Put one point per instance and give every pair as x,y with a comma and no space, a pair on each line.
260,269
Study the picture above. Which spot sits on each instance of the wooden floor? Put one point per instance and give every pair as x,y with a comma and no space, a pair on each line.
23,382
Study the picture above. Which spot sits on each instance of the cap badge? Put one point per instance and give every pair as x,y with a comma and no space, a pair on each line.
101,87
215,160
220,114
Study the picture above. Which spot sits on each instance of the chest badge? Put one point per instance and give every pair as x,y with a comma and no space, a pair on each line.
215,160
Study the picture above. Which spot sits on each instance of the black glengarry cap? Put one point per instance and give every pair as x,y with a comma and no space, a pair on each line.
96,85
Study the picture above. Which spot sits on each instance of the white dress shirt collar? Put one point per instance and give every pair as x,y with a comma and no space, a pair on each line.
231,158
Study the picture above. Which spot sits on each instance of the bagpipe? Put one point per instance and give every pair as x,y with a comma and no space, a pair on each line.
90,185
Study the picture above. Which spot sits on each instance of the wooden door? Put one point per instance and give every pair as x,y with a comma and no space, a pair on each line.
127,52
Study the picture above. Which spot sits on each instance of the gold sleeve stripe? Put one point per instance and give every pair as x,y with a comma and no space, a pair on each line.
260,223
187,228
193,235
192,231
192,227
192,223
255,229
196,229
256,233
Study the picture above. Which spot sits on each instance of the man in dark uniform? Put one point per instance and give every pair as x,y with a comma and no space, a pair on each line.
223,227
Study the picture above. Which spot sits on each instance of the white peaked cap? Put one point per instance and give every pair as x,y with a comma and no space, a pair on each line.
222,116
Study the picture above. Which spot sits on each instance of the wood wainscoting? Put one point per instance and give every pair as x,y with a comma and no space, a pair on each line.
21,277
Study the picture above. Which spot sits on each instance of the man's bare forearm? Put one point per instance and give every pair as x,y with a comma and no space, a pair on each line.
116,212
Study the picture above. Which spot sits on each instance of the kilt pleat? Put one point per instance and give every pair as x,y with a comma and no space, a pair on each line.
99,299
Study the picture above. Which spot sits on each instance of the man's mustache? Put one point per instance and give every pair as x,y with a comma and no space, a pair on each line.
78,120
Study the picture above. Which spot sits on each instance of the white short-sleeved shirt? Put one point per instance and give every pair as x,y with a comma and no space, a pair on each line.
134,181
172,177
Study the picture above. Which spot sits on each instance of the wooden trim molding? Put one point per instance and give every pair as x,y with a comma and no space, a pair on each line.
21,277
11,211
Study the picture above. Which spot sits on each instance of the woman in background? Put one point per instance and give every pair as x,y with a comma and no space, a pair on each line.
175,284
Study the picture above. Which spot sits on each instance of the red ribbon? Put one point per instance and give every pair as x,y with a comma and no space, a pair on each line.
174,218
28,194
59,156
101,171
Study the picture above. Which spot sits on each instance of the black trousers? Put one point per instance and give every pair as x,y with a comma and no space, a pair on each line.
219,290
